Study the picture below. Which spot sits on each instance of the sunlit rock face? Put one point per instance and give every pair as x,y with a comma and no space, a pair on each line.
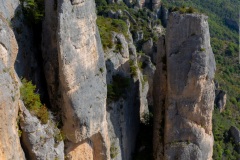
76,58
189,99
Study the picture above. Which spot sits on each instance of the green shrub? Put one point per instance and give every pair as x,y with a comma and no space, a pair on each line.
42,114
133,68
32,101
113,151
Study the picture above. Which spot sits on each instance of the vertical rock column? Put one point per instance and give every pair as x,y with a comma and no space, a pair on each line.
76,58
184,90
190,88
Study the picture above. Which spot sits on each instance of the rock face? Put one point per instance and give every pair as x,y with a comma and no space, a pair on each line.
123,111
10,147
159,99
220,99
190,89
7,8
40,141
78,57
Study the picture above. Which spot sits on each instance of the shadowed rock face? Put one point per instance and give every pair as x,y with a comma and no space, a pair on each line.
190,88
75,53
10,147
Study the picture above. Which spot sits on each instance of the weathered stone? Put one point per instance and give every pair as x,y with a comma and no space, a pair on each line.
147,47
148,70
40,141
159,99
123,113
76,58
164,16
7,8
190,94
220,99
10,147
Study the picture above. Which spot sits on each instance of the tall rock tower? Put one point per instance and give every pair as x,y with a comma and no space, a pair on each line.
186,93
73,53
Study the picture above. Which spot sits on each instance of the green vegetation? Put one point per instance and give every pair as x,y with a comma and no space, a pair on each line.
117,88
32,101
183,9
113,151
33,10
107,26
224,40
133,68
59,137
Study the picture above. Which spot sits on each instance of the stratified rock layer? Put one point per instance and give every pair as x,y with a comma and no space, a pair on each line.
190,89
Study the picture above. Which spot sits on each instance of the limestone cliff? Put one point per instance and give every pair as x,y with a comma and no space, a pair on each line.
10,147
73,54
188,99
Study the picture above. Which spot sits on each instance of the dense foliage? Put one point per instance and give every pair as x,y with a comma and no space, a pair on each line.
224,41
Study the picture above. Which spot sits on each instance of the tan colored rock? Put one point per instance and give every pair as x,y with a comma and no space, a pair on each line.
10,147
190,88
75,65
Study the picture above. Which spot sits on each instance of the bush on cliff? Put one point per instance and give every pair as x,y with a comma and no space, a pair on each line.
32,101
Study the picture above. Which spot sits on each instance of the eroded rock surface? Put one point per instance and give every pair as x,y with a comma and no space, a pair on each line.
40,141
190,88
78,57
123,111
10,147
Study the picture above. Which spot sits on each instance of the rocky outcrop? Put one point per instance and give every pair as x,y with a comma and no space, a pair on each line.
7,8
189,101
10,147
78,57
40,141
164,16
220,99
122,109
